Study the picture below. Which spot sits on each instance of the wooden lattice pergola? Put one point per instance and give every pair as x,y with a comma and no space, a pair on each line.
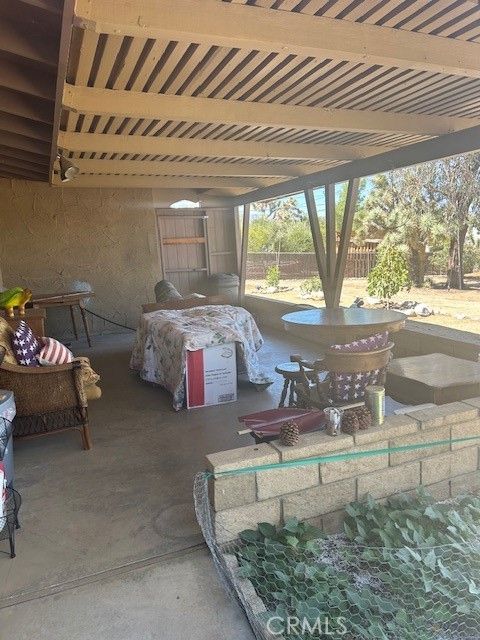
243,100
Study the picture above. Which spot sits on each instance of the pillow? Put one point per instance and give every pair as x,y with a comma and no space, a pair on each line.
350,387
25,345
372,343
6,333
53,352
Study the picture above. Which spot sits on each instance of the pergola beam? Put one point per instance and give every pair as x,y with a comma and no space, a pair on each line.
19,104
30,47
158,182
25,127
345,236
331,263
255,28
137,104
165,168
442,147
156,145
19,77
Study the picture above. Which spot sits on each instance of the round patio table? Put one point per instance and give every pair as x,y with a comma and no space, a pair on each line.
345,325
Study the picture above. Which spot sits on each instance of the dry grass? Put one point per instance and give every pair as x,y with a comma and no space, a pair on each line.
449,306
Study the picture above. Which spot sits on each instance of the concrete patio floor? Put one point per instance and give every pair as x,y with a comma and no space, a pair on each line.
109,545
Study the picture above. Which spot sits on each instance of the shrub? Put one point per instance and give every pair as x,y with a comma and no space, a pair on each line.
272,276
389,275
311,285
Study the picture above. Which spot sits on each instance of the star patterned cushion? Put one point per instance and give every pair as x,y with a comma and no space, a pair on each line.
25,346
350,387
371,343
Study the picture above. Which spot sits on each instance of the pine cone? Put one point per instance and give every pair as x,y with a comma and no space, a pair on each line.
350,421
289,433
364,417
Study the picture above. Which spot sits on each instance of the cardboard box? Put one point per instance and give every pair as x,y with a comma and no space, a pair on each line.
211,376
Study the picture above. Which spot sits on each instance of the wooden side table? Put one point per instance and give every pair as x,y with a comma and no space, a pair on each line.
35,318
70,299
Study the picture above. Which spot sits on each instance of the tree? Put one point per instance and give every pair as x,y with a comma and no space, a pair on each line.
425,206
389,275
283,213
457,182
260,235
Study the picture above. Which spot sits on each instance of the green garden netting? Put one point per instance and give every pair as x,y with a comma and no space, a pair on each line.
406,568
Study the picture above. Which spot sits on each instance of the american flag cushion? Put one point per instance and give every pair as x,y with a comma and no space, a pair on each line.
371,343
54,352
350,387
25,346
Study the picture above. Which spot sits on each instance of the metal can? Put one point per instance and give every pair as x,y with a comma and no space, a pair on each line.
334,420
375,402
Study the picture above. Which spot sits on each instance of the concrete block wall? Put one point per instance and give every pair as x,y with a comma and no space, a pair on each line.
319,492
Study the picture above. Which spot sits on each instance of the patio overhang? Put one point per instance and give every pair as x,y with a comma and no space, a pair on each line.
237,102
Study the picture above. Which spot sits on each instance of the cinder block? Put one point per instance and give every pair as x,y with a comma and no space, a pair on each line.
233,491
313,444
251,456
468,483
277,482
334,471
393,427
466,430
319,500
389,481
473,402
449,465
451,413
440,490
230,522
333,522
441,433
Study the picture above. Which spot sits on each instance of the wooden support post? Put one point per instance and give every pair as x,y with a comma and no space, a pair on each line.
345,235
244,251
318,244
330,231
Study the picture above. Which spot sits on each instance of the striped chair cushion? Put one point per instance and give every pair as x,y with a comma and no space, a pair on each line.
54,352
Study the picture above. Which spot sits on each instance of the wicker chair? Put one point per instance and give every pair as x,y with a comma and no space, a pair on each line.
48,399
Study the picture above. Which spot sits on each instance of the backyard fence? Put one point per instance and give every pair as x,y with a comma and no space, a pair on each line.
360,261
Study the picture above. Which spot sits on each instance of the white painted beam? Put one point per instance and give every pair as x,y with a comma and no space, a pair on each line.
160,182
165,168
257,28
151,106
156,145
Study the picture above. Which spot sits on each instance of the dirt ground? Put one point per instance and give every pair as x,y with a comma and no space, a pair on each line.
455,309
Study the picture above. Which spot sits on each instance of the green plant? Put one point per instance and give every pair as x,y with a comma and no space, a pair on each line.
410,572
311,285
272,276
389,275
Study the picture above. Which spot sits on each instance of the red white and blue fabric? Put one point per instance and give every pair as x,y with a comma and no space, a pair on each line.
371,343
25,346
350,387
54,352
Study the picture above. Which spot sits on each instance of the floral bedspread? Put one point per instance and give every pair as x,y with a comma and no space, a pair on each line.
164,337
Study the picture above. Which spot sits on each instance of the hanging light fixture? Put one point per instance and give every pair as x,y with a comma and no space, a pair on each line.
68,170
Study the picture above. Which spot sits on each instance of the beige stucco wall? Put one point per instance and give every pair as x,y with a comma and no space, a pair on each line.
54,238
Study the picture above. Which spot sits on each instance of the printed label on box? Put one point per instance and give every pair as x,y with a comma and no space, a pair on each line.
211,376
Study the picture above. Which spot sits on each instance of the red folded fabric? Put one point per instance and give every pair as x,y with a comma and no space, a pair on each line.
269,422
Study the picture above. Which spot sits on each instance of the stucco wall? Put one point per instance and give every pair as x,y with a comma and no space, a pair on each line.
53,238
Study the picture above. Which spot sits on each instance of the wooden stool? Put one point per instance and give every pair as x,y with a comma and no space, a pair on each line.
291,374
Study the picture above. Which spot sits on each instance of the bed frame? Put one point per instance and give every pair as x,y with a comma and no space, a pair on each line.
184,303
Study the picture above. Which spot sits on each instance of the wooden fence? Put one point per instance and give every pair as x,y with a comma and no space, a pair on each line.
360,261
